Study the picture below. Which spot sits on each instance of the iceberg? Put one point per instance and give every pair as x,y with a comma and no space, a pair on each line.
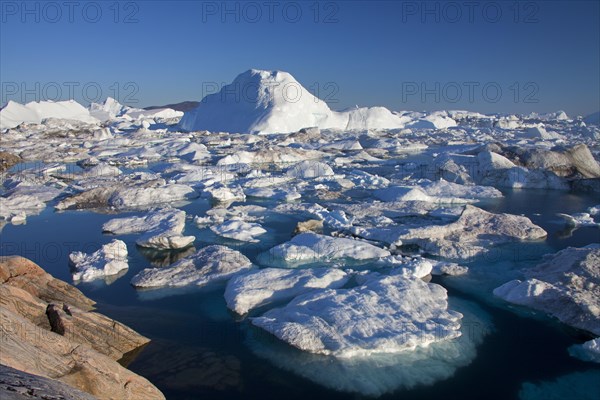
267,102
110,260
15,114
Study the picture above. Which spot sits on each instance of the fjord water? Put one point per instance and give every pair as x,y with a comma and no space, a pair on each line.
201,350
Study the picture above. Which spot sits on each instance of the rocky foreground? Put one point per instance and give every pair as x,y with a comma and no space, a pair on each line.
49,330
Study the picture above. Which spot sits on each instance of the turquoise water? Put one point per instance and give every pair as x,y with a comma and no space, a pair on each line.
201,350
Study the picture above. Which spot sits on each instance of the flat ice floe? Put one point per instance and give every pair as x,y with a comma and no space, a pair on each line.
383,315
566,285
209,264
258,288
162,229
382,373
472,234
131,197
308,247
239,230
110,260
437,192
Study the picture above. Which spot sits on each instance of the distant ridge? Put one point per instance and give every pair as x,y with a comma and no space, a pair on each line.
183,106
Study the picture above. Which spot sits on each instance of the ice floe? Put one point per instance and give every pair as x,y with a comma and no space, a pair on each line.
566,285
162,229
308,248
208,265
383,315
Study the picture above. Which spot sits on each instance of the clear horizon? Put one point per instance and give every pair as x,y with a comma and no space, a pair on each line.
490,57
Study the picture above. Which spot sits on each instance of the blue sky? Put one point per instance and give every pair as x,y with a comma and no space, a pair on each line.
489,56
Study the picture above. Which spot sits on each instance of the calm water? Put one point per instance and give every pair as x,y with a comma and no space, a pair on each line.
201,350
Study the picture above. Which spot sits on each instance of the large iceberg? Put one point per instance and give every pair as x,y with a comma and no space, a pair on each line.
260,101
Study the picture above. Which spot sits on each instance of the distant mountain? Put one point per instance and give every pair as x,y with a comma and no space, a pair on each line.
183,106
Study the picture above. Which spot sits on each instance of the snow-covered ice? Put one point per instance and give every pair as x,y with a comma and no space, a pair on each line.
384,315
258,288
566,285
239,230
308,247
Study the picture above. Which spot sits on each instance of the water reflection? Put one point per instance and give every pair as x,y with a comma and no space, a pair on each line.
164,258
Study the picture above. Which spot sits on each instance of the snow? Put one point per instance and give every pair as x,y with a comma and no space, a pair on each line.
309,247
239,230
258,288
162,229
384,315
109,260
208,265
566,285
15,114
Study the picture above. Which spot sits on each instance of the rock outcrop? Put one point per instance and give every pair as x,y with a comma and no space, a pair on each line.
49,329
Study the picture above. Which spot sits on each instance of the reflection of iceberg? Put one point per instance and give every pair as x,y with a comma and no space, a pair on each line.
579,385
164,258
382,373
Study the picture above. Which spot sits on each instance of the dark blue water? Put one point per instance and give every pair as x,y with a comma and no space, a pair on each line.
201,350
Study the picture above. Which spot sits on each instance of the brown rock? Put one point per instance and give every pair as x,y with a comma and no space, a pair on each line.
25,274
54,337
7,160
312,225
